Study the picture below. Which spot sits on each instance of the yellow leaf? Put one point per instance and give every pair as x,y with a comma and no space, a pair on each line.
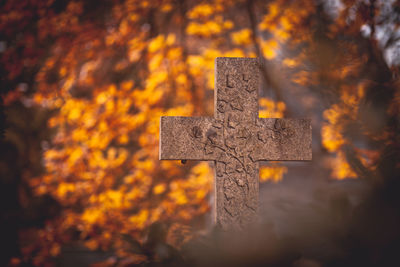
242,37
127,85
159,189
155,62
270,109
332,139
171,39
341,168
92,244
75,155
228,25
178,196
74,114
65,188
139,220
156,44
123,139
290,62
91,215
55,250
123,27
269,48
166,7
201,10
272,173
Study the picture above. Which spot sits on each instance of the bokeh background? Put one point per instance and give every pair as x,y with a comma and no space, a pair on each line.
84,83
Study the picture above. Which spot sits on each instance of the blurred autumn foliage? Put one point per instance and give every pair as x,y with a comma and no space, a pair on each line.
85,82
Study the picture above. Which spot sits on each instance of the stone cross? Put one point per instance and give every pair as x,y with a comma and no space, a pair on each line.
236,139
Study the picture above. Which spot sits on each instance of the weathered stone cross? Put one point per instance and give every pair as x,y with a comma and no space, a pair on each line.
235,139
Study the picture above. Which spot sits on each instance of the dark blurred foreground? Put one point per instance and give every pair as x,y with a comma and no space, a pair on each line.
314,223
305,223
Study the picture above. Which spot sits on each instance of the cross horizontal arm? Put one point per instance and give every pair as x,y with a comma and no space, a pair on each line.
184,138
283,139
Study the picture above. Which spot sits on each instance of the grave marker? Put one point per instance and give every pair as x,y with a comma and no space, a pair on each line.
236,139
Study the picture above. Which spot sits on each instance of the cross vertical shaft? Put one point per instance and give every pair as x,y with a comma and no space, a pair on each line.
236,109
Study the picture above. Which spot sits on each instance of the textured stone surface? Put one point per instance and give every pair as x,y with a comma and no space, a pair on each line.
235,139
